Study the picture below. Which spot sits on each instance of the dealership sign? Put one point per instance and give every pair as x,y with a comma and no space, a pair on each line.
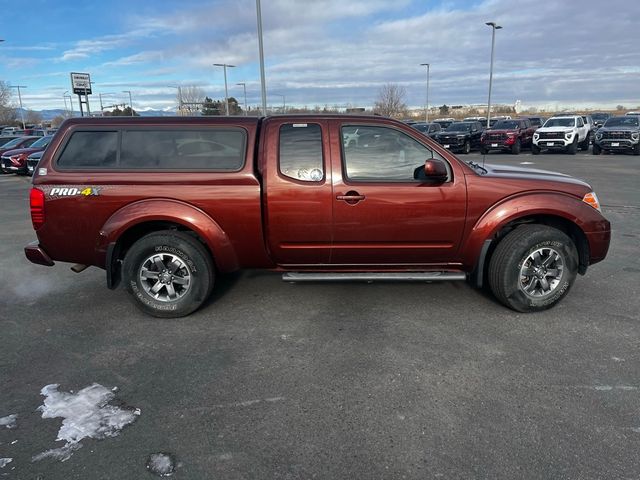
81,83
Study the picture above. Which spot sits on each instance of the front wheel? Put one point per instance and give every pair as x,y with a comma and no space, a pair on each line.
573,148
533,268
636,149
168,273
515,149
467,147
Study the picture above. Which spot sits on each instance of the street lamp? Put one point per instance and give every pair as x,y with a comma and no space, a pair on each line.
20,100
179,97
130,102
244,86
494,26
426,116
284,104
226,93
263,85
66,95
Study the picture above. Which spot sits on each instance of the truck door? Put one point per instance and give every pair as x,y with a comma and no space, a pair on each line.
297,191
382,216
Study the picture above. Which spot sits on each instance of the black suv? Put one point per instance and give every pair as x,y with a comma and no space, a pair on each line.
429,129
461,136
618,134
599,118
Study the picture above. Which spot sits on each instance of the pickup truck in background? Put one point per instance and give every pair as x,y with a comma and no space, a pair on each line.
567,133
507,135
167,204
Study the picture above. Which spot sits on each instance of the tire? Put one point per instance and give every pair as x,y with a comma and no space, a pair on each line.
636,149
187,262
466,148
538,249
573,148
535,150
596,150
515,149
587,141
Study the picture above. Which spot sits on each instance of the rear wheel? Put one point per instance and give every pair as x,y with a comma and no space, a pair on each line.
168,273
533,268
515,149
596,150
535,150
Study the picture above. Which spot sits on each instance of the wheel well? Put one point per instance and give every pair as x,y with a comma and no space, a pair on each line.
131,236
573,231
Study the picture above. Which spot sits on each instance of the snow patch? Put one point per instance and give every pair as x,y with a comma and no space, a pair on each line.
5,461
161,464
85,414
9,421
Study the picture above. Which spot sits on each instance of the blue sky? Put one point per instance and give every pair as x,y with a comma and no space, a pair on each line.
326,51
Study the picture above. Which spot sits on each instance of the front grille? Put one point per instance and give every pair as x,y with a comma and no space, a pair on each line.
551,135
613,135
497,137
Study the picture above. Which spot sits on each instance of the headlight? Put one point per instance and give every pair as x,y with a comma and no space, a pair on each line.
598,136
635,136
568,134
592,199
536,136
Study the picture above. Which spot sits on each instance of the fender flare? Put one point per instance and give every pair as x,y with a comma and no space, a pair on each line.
554,204
167,210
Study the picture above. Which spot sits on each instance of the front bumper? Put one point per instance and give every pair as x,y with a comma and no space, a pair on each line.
553,142
616,144
35,254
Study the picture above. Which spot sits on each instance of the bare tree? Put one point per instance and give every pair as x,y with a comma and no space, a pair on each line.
390,101
191,101
33,118
57,121
7,110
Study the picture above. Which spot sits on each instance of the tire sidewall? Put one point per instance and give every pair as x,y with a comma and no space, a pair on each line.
523,302
194,259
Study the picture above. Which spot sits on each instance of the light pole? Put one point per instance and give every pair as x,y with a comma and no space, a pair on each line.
179,97
20,100
284,104
263,84
130,102
226,93
426,116
244,86
64,99
494,26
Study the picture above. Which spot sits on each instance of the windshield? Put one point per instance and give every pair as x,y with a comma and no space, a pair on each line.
560,122
459,127
13,143
43,142
421,127
505,125
629,121
600,116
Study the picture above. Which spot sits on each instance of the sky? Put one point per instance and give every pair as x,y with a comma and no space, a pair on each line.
549,54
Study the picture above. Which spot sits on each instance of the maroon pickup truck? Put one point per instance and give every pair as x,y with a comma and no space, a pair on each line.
508,135
167,204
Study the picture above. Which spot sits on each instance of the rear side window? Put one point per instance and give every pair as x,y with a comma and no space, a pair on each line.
182,149
97,149
301,151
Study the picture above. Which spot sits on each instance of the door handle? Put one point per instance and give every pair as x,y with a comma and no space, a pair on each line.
351,197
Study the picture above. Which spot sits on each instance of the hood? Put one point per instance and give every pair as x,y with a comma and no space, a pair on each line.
20,151
506,171
502,130
621,128
554,129
452,134
37,155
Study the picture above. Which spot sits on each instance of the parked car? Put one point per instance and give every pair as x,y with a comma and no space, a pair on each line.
430,129
9,131
461,137
599,118
114,193
507,135
444,122
15,161
537,122
565,133
618,134
18,142
482,120
632,113
32,162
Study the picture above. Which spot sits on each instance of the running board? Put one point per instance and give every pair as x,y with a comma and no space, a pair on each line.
373,276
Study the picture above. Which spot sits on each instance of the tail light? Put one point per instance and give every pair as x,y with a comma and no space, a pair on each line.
36,203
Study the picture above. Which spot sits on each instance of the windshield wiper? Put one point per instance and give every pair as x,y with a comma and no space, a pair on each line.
477,166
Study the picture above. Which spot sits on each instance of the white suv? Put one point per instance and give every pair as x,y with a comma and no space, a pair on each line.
562,133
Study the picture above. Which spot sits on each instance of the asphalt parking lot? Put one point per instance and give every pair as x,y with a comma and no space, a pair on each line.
273,380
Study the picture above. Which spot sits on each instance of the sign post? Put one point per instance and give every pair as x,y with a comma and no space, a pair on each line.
81,84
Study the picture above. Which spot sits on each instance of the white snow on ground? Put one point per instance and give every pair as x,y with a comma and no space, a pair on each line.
161,464
5,461
9,421
85,414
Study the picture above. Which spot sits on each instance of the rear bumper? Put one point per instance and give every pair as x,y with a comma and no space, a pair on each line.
36,254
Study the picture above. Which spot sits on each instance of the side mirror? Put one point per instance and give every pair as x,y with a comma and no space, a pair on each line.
433,171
